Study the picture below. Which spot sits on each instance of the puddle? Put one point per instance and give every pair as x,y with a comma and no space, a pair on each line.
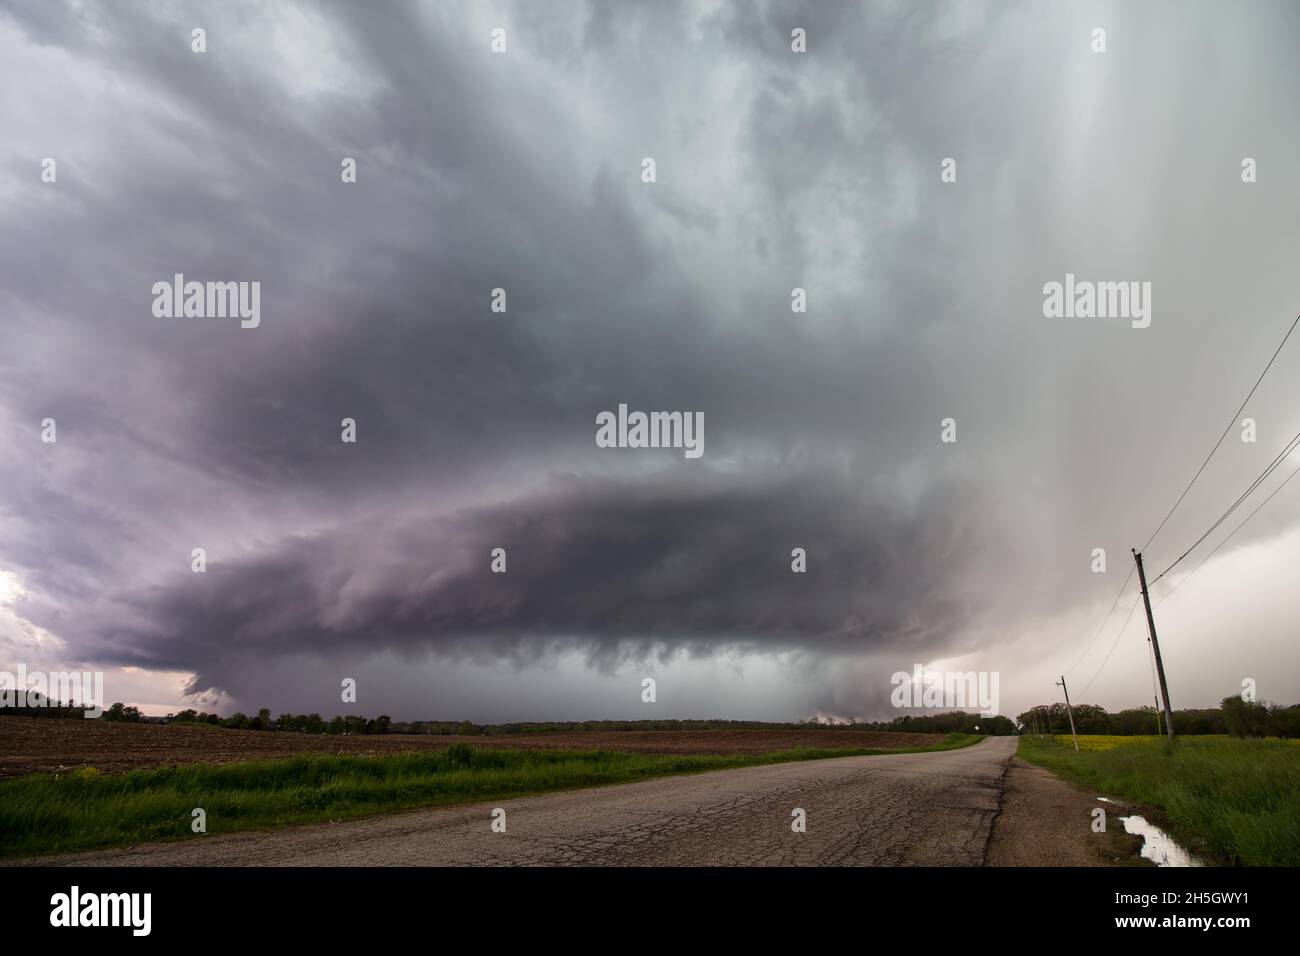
1157,845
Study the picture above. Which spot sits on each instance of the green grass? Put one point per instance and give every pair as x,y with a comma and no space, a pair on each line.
1236,801
42,813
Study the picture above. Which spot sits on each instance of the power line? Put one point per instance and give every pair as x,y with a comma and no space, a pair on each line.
1183,580
1113,645
1221,437
1169,514
1113,605
1290,446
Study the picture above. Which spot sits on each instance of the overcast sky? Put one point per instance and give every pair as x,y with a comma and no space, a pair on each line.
522,170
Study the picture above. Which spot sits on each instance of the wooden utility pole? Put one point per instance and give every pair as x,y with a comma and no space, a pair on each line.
1069,710
1155,646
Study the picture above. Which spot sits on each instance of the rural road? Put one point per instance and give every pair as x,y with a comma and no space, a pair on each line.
904,809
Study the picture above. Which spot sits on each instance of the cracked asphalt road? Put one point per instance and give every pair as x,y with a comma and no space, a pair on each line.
930,809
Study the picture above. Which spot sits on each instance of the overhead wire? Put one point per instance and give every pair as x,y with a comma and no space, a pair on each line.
1231,423
1281,456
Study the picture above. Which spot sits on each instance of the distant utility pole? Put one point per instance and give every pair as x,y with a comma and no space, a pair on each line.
1069,710
1155,647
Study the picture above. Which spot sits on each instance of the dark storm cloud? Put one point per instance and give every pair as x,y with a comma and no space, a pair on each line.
615,569
379,295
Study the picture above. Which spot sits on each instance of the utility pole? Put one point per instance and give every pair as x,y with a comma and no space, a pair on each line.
1155,646
1069,710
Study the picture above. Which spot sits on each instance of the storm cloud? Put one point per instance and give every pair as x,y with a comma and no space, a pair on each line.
612,569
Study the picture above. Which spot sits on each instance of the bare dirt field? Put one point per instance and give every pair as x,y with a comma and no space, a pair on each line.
43,745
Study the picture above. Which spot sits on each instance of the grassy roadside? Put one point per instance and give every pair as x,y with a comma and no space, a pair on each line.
1237,801
43,814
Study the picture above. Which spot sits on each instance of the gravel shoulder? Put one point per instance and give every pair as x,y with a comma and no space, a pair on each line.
1045,821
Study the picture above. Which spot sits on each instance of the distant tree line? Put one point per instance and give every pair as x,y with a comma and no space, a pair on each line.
955,722
949,723
1093,719
1258,719
22,703
1233,716
290,723
935,723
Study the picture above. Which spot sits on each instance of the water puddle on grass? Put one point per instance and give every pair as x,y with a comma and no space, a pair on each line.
1157,845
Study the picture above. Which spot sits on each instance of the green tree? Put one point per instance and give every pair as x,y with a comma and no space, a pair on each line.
120,712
